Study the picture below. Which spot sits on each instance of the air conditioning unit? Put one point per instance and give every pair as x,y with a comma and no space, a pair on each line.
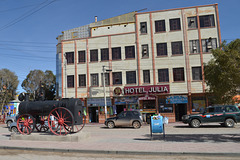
209,46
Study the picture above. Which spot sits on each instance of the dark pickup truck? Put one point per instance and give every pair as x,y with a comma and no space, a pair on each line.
226,115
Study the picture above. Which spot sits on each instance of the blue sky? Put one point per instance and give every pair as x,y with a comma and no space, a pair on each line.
28,28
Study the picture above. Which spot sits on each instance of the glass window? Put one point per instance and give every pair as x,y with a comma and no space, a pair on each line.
194,46
163,75
131,77
163,107
230,109
69,57
175,24
207,21
104,54
196,73
178,74
70,81
94,55
117,77
146,76
116,53
129,52
145,53
198,104
82,80
161,49
192,22
209,44
143,27
81,56
177,48
94,79
160,26
107,82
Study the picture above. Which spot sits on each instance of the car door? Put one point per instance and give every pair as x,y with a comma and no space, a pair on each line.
218,115
208,115
123,119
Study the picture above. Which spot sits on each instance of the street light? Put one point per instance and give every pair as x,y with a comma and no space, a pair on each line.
104,90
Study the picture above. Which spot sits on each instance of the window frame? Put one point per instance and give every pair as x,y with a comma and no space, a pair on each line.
175,24
69,57
177,48
129,52
191,46
178,74
205,19
160,26
143,27
107,79
192,22
70,81
94,55
145,48
146,76
163,75
117,76
82,80
116,53
94,80
82,56
104,54
162,49
131,77
197,73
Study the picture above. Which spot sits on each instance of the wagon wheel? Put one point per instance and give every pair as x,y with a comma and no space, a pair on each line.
79,127
60,121
41,126
25,124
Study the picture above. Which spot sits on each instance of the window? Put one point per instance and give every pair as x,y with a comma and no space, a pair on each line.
194,46
129,52
82,80
208,44
104,54
69,57
178,74
145,53
70,81
198,104
231,109
143,27
192,22
207,21
163,107
94,55
160,26
146,76
131,77
163,75
196,73
177,48
94,79
175,24
81,56
107,82
161,49
116,53
117,77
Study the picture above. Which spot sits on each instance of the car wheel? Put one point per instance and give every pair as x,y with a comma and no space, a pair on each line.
14,129
110,124
136,124
9,123
195,123
229,122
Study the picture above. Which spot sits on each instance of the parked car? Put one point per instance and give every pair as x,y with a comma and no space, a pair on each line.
13,127
10,120
226,115
125,118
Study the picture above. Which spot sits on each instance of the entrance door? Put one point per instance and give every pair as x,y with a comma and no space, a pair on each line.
93,114
120,108
180,110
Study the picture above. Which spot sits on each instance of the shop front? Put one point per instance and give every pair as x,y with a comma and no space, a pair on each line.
126,103
95,110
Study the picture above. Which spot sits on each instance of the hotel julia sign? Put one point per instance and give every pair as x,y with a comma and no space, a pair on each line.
154,89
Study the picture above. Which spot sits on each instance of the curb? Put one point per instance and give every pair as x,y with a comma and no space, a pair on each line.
119,152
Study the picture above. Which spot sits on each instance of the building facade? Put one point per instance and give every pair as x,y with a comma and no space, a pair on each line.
152,62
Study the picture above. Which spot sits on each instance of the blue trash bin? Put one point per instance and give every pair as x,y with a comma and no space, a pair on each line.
157,125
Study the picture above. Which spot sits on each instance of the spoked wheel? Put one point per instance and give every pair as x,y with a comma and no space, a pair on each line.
41,125
60,121
79,127
25,124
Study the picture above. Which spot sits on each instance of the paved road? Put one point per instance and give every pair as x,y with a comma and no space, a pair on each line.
209,140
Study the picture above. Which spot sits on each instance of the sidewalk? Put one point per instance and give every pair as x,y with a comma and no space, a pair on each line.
180,139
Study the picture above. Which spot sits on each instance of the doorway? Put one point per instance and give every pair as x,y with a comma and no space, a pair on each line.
180,110
120,108
93,114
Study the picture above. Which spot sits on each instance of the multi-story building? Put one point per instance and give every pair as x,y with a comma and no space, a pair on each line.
153,62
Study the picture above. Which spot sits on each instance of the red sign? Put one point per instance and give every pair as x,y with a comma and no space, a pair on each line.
154,89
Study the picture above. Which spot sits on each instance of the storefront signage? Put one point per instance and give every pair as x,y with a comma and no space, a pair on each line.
146,98
98,102
176,99
117,91
154,89
126,100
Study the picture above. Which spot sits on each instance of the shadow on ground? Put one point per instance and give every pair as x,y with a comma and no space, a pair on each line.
197,138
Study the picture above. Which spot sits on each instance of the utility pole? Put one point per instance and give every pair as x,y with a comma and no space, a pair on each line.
104,90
